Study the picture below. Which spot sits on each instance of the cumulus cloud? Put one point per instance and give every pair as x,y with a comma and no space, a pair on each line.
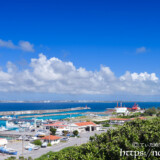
22,45
141,50
56,76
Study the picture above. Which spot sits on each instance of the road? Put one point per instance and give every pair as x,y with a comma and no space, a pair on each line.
84,138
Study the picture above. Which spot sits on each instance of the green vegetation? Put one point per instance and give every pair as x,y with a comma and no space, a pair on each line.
75,133
49,145
53,131
37,142
151,111
104,123
148,112
11,158
20,158
107,146
132,115
65,133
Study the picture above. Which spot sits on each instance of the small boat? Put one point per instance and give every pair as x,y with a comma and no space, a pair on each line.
7,117
40,134
8,151
12,151
2,128
33,138
32,147
24,138
11,125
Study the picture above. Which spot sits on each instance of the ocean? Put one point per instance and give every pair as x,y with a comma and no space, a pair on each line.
95,107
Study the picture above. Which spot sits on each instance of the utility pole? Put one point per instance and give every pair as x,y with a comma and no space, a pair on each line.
22,143
49,134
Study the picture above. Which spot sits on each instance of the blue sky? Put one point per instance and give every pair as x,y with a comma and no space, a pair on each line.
122,35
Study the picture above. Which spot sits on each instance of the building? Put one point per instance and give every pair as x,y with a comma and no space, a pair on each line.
51,139
118,121
121,121
56,125
122,110
3,142
84,126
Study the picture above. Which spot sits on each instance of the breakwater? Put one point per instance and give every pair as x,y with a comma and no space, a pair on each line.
5,113
46,115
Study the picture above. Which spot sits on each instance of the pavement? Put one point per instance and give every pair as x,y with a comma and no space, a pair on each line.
18,145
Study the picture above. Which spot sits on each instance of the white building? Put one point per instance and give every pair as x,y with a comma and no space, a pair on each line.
51,139
84,126
122,110
3,141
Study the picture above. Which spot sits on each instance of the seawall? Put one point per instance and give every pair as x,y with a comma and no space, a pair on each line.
41,111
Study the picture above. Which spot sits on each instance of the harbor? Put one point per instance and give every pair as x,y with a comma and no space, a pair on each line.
55,128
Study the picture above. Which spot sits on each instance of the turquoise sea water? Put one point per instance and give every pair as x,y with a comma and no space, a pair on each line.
95,107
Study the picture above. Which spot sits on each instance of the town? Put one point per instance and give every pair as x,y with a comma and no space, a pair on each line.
34,137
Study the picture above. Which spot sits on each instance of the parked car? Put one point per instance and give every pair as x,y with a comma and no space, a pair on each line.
32,130
44,144
64,139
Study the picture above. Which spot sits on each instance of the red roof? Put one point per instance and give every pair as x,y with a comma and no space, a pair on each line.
118,119
125,119
51,137
85,124
56,124
142,118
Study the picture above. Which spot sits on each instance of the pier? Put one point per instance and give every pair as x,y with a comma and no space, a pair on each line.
5,113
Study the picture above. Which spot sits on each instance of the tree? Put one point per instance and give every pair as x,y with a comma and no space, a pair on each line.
65,133
158,114
151,111
53,131
75,133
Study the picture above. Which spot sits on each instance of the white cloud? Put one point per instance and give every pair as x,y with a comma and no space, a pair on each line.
26,46
22,45
56,76
7,44
141,50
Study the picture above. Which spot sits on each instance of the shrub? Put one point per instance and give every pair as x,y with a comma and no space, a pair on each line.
49,145
107,146
53,131
106,125
75,133
37,142
150,111
65,133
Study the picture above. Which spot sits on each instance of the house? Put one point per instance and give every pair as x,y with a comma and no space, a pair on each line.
3,141
118,120
59,126
122,110
56,125
121,121
51,139
84,126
